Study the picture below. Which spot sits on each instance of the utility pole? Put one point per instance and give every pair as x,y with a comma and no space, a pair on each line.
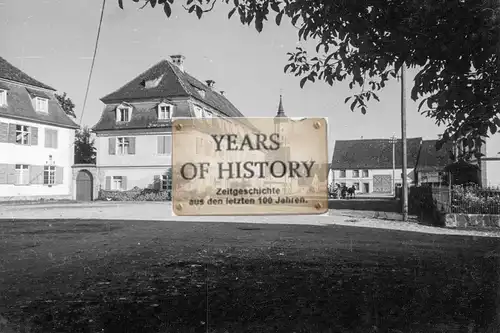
393,141
404,198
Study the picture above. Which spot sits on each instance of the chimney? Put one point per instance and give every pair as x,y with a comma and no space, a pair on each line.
178,59
210,83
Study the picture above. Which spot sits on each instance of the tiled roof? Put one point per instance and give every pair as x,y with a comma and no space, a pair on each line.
430,159
12,73
20,106
372,154
173,83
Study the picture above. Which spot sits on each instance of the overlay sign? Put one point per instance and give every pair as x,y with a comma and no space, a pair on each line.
249,166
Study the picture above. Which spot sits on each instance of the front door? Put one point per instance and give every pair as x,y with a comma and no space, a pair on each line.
84,186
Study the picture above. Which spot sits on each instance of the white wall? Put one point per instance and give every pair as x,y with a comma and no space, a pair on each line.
63,156
493,173
349,180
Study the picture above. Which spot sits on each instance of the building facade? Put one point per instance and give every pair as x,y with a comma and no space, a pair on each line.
36,139
134,133
368,164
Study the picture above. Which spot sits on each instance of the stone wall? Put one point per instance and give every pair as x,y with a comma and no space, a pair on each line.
471,220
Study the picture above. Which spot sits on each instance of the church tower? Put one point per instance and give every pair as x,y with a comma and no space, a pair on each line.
279,121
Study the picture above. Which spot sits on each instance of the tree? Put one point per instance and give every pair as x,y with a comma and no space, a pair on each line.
454,44
67,104
85,152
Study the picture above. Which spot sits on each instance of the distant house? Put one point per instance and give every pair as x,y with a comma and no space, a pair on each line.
134,133
432,162
36,139
368,163
490,162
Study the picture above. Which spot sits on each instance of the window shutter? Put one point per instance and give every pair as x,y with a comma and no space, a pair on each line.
3,173
34,136
168,144
4,132
160,145
108,183
157,182
112,146
47,138
12,133
59,175
55,138
11,174
36,174
131,146
124,183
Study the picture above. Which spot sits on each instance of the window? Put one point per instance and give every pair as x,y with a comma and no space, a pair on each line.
22,174
198,112
3,97
122,145
164,145
50,138
117,183
201,92
365,173
342,174
356,186
355,173
166,181
49,175
22,135
41,104
164,112
366,187
123,114
208,114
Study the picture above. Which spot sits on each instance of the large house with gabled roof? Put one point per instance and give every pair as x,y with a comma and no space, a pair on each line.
36,139
368,164
134,133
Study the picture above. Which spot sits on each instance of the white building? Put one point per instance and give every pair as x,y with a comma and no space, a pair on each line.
367,164
36,139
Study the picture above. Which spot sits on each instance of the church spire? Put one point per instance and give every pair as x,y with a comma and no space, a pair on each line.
281,111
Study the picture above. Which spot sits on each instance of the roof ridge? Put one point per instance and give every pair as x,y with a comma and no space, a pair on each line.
34,82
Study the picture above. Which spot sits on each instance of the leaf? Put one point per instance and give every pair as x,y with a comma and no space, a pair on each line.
303,81
493,128
153,3
353,104
120,3
279,17
376,97
259,25
347,99
231,13
167,9
199,11
363,110
275,7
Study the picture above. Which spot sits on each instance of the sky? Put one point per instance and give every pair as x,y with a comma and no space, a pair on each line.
53,41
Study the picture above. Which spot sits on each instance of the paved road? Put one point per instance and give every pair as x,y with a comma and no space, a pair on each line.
162,211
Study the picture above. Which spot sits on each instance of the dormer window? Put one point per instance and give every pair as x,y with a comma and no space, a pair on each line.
123,113
201,92
164,111
208,114
198,111
41,104
3,97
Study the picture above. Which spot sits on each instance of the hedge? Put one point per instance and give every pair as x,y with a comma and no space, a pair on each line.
135,194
